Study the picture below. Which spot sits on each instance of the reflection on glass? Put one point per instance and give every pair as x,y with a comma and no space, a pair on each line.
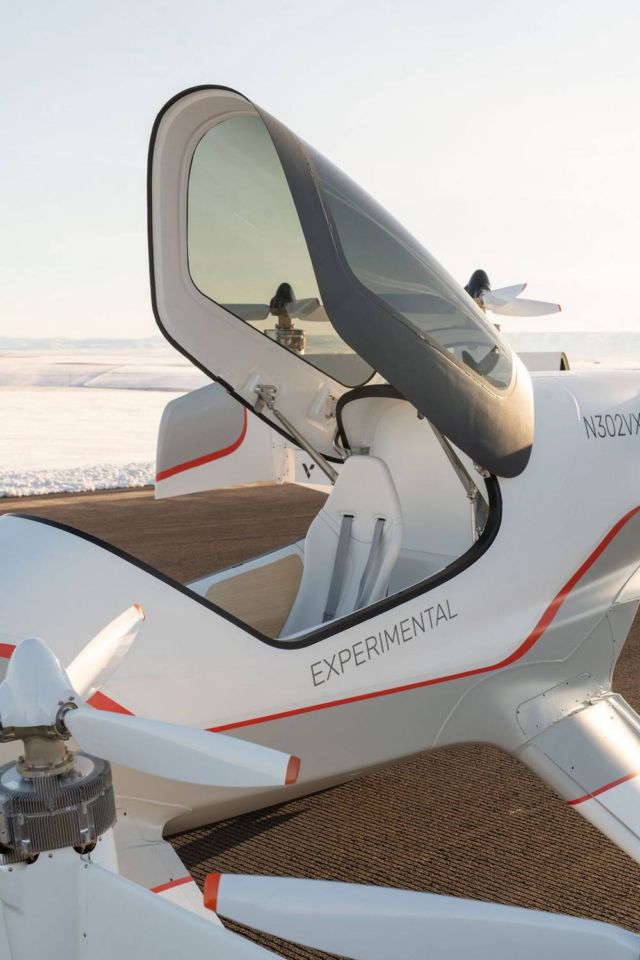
247,251
392,265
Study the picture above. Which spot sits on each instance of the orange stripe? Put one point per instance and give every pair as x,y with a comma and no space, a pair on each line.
293,770
170,884
541,626
208,457
101,701
211,886
105,703
607,786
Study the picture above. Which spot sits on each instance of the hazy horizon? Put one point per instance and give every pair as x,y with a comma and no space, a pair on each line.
500,134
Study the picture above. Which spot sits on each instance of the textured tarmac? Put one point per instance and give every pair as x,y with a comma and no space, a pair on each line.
469,821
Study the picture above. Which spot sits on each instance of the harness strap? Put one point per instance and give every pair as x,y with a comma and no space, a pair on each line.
374,551
339,565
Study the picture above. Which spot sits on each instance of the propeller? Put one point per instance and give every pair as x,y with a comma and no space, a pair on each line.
375,923
55,800
38,693
499,298
251,312
526,308
304,309
102,656
179,753
506,301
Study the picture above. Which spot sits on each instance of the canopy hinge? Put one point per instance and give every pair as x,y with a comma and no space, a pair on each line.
267,393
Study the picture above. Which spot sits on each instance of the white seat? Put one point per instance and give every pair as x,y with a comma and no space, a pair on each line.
337,581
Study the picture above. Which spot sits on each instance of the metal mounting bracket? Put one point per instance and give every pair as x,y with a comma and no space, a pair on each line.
266,393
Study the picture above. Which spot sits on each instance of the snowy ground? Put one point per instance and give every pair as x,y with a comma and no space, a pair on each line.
103,476
84,419
74,439
84,415
160,369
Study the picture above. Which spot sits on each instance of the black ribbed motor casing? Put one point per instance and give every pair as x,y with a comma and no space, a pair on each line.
52,812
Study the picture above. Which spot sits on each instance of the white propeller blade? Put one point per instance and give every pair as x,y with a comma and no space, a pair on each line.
251,312
375,923
305,309
526,308
506,301
179,753
121,919
102,656
36,686
502,295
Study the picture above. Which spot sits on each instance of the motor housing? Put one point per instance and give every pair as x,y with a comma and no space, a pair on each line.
70,809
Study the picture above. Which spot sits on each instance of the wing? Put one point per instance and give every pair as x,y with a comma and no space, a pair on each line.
120,919
145,858
592,759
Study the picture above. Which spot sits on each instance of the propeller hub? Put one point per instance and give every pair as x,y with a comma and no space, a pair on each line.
44,756
60,726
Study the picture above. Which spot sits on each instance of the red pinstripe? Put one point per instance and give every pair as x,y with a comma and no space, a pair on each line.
542,625
539,629
171,884
208,457
607,786
101,701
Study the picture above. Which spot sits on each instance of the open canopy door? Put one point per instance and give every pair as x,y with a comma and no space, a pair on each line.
270,267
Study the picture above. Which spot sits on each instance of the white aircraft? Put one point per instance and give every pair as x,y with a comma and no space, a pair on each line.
61,893
473,574
251,450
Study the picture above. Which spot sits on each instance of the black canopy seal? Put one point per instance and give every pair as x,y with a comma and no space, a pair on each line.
379,292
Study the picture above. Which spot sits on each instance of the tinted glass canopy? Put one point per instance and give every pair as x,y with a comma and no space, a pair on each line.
247,251
283,241
390,263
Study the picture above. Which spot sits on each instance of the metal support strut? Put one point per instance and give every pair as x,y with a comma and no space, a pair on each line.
267,398
479,509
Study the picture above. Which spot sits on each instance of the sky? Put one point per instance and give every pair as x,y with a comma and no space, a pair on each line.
504,135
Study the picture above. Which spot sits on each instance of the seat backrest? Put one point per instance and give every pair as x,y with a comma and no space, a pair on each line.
349,553
435,508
